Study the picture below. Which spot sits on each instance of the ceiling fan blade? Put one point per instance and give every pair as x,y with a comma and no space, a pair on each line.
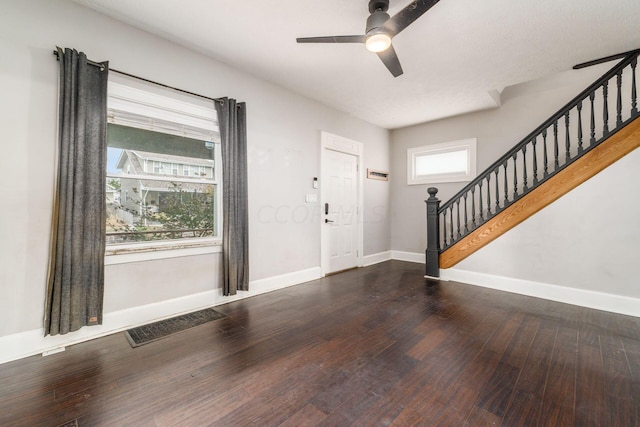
332,39
391,61
406,16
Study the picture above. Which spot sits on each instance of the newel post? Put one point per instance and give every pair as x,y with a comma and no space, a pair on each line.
433,234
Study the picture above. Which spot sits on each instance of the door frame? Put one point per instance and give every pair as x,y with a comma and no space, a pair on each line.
329,141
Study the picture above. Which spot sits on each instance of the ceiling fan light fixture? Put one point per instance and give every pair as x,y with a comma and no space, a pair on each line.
378,42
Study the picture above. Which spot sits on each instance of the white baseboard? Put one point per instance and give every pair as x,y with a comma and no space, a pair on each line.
283,281
582,297
408,256
24,344
376,258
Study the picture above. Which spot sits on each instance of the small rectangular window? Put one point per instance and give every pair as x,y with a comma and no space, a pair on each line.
453,161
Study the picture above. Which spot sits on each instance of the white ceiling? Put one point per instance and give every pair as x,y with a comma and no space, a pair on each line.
457,57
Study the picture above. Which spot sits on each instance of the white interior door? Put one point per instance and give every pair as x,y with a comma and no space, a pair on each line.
340,210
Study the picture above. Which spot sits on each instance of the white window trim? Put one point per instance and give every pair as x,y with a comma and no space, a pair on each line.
127,99
130,100
164,178
469,145
148,251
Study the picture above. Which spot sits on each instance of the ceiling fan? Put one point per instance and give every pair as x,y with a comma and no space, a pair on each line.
380,30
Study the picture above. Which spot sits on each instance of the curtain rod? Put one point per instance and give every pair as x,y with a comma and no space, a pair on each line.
101,66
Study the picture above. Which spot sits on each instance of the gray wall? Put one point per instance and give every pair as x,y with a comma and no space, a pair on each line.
585,240
284,155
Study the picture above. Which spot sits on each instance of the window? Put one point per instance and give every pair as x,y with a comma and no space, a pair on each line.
448,162
149,136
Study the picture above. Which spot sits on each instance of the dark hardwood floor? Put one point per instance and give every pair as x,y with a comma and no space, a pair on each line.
374,346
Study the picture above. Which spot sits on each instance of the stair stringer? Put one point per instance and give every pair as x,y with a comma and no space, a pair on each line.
588,165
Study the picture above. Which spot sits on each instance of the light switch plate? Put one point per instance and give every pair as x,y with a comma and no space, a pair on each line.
311,198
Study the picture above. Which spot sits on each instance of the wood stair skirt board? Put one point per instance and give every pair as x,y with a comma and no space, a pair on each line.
599,158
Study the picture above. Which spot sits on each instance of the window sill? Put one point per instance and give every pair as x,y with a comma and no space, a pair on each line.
140,252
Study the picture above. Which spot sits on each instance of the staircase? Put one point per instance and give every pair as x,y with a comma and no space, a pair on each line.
595,129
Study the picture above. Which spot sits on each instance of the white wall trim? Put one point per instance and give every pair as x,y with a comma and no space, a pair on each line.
582,297
408,256
24,344
283,281
376,258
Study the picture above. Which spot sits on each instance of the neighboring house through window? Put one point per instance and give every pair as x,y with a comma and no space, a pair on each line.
151,137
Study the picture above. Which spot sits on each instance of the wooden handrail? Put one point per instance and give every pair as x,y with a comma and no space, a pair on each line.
545,125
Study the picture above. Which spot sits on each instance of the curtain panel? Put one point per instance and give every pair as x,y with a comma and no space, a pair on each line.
235,218
76,267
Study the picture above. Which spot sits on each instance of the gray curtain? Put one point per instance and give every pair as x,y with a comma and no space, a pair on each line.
235,233
76,267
